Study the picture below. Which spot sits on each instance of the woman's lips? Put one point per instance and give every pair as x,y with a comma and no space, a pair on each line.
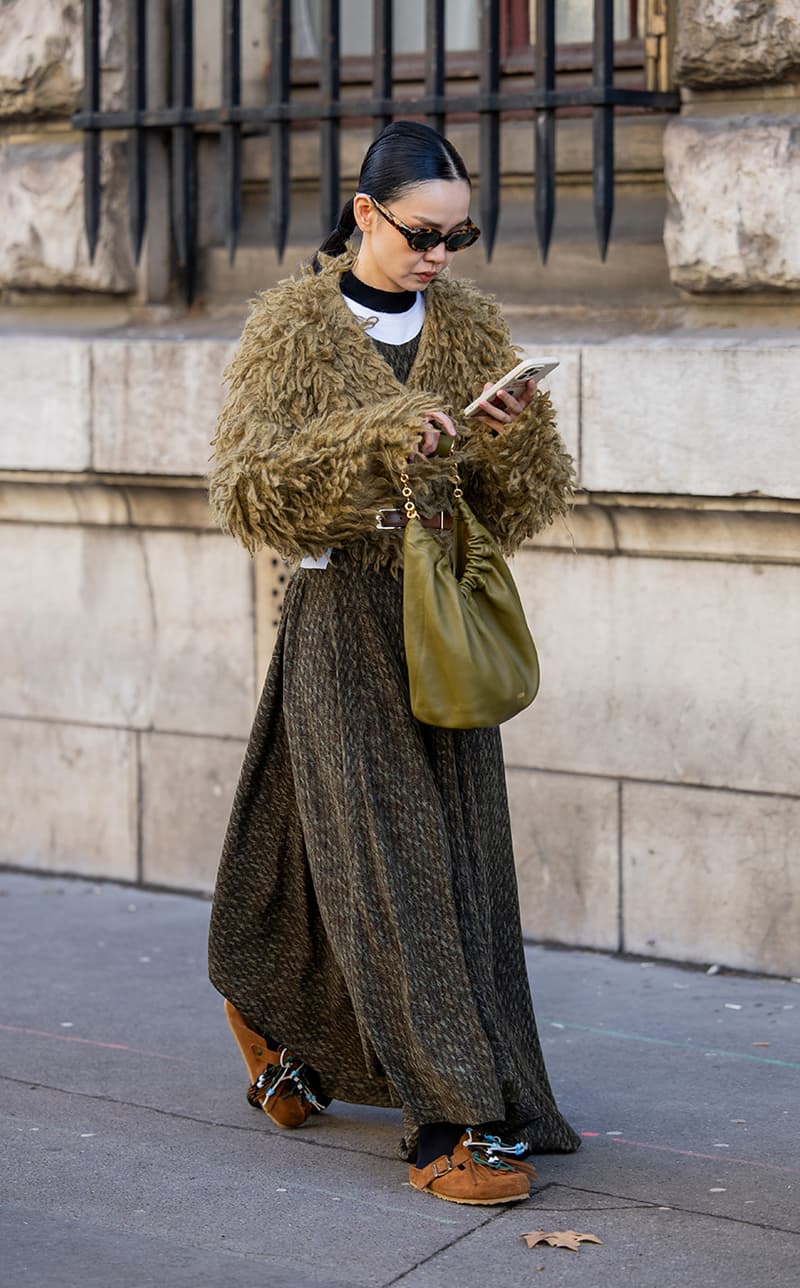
426,277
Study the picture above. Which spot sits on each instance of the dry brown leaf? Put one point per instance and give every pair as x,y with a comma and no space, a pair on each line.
571,1239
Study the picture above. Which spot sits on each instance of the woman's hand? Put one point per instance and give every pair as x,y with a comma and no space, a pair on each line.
498,418
436,423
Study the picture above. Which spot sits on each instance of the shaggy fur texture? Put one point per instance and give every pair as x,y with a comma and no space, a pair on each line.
316,427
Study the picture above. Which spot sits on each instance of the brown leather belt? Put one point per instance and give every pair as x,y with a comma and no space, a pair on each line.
389,519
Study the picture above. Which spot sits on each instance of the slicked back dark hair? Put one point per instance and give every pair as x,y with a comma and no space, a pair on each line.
403,155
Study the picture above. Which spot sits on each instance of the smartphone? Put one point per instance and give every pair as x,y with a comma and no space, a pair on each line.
514,381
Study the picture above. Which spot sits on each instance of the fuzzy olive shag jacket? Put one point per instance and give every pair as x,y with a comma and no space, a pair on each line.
316,427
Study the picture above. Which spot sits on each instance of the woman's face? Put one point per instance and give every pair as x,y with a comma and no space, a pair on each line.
385,260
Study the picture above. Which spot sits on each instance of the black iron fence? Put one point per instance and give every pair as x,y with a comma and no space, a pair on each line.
180,120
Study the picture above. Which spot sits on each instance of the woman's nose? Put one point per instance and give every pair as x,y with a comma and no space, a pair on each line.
436,254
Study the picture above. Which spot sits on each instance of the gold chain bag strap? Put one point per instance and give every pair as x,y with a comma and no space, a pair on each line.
472,662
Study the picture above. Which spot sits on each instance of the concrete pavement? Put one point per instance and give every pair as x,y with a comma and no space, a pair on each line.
131,1158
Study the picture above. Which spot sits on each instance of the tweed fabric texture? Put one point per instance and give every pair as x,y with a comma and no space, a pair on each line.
399,356
366,908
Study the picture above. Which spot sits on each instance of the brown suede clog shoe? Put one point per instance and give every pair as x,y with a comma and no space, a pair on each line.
277,1084
475,1173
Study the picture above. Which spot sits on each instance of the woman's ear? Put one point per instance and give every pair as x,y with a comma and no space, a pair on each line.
363,211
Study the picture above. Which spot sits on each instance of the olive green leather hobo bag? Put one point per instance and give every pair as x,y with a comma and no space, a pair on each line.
471,660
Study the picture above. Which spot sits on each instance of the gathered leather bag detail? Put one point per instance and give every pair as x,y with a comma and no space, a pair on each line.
472,662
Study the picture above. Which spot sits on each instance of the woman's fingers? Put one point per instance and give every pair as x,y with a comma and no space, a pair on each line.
429,442
495,415
443,420
512,406
436,423
528,394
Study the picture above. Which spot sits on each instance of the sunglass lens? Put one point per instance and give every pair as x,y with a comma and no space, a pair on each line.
460,240
424,240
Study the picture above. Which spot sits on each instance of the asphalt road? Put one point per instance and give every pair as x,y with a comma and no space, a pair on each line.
131,1158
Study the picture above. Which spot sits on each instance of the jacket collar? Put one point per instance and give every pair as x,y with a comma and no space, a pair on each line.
328,283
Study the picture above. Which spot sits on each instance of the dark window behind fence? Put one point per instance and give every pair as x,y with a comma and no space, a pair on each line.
436,102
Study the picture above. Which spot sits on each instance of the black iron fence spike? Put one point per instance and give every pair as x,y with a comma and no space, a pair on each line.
230,143
91,191
182,121
137,190
137,140
382,58
544,126
91,143
603,123
544,198
434,60
330,86
184,158
279,93
231,160
603,176
489,125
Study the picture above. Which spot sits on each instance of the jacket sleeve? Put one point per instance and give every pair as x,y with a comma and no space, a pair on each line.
519,480
295,467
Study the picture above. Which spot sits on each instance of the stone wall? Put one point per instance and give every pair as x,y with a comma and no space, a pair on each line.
41,58
736,42
655,782
43,242
732,159
42,239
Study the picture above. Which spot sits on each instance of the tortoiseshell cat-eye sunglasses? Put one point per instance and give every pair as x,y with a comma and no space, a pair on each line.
422,239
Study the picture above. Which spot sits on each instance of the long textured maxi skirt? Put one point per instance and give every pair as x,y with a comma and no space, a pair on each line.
366,909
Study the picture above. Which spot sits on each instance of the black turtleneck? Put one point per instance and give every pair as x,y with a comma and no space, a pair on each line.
372,298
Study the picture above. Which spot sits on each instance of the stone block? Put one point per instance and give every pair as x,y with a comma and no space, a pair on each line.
69,798
696,530
187,793
41,56
46,417
140,629
734,191
736,42
168,507
201,590
566,846
43,243
712,877
680,671
156,404
699,418
254,70
706,533
43,500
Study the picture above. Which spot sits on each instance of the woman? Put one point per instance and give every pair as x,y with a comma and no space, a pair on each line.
365,930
